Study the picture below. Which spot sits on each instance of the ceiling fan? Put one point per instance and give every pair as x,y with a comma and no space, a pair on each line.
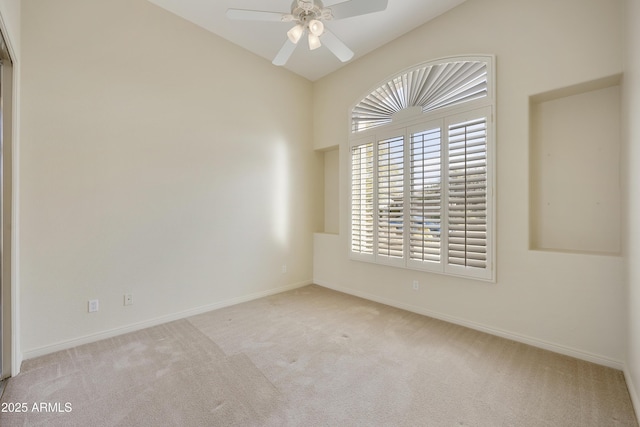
308,16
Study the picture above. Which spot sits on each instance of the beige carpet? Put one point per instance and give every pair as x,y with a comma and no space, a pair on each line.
314,357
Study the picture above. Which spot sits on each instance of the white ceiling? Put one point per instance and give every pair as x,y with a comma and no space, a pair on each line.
362,34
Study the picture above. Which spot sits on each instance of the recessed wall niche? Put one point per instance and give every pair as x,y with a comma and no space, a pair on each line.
331,190
575,168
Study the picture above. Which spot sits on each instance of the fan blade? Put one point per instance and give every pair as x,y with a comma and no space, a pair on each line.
357,7
285,53
254,15
335,45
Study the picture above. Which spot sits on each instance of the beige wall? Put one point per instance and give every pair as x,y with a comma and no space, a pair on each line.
632,187
158,160
563,301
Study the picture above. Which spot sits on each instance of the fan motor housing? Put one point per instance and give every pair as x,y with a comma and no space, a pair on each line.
306,10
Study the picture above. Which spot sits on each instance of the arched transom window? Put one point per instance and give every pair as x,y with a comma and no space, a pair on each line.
428,86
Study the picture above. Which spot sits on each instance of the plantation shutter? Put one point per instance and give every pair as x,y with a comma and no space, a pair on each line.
422,159
430,87
467,219
391,197
362,199
425,196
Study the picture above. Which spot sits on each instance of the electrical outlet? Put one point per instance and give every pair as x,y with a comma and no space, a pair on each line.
128,299
416,285
284,268
93,305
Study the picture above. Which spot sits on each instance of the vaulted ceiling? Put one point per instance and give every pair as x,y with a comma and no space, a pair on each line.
361,34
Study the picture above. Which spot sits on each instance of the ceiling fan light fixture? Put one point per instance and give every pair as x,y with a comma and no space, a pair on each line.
307,18
295,33
314,42
316,27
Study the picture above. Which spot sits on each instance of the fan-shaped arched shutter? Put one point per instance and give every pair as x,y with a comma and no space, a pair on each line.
430,86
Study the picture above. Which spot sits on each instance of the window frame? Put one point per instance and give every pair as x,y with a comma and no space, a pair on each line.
406,123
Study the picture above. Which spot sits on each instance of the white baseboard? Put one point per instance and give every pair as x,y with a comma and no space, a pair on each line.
633,393
567,351
63,345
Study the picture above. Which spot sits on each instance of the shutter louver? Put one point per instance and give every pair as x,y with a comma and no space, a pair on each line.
467,200
362,199
391,197
425,196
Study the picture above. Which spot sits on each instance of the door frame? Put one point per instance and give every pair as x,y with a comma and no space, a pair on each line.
6,208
